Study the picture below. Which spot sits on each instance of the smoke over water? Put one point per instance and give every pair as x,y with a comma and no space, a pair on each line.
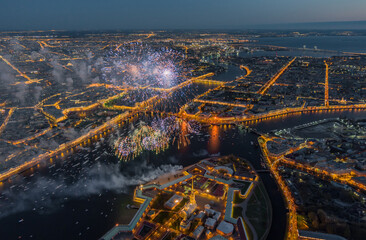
46,194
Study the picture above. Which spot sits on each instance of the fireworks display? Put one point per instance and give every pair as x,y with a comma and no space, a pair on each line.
144,68
138,65
155,137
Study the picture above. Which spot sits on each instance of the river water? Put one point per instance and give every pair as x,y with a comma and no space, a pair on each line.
95,194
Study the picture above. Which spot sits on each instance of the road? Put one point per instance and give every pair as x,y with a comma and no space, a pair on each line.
267,85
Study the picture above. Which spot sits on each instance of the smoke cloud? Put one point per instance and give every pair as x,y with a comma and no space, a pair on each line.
47,194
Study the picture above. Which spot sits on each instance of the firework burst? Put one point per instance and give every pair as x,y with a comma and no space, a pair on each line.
138,65
155,137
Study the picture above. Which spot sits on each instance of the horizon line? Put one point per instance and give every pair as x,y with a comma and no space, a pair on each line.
250,27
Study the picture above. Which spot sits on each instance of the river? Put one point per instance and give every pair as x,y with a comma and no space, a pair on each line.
96,193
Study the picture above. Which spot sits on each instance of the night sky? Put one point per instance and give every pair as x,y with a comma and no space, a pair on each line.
171,14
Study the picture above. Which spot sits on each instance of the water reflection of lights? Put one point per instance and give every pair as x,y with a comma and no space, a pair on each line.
214,142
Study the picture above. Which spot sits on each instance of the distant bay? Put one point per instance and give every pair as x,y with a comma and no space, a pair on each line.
355,44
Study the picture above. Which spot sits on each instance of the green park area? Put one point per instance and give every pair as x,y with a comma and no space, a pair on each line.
259,211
